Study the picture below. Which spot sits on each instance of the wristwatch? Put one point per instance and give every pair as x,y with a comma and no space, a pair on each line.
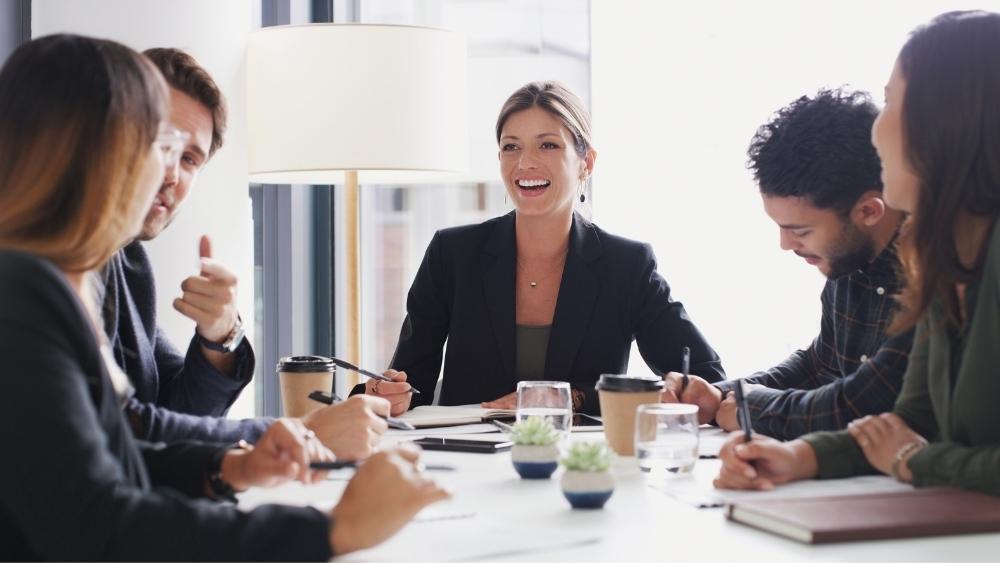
221,490
230,344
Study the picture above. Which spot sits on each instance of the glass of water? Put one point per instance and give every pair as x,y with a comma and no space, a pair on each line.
666,437
549,399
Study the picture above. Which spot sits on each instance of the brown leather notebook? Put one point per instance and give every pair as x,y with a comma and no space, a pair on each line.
917,513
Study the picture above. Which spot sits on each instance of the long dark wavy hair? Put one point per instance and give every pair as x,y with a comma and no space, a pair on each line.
951,134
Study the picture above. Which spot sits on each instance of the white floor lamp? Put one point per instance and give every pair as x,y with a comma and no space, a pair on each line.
356,104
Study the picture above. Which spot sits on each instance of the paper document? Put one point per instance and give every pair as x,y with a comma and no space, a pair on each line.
426,416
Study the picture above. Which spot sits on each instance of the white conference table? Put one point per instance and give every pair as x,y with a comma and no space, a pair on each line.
494,515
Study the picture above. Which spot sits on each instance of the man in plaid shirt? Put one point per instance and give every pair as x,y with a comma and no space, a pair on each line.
819,178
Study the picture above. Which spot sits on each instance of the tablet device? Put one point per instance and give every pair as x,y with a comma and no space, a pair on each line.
459,445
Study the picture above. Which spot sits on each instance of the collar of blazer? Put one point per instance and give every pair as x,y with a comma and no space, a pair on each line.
583,238
574,306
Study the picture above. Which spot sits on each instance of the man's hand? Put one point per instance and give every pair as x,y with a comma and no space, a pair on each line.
698,392
397,391
353,428
726,418
209,298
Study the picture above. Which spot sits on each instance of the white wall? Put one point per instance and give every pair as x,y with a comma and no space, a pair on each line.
678,90
215,32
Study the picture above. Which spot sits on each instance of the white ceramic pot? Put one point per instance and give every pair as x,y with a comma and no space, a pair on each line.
584,489
535,462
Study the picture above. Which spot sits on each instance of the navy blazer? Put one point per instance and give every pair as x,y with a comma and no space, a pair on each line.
610,295
177,397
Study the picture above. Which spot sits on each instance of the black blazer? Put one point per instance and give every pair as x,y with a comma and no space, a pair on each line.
610,295
74,483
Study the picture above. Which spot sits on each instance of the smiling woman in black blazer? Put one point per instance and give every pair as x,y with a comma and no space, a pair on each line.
539,293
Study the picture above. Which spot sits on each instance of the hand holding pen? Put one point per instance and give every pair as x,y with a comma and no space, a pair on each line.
392,386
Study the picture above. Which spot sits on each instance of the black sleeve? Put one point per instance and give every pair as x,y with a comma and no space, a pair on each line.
662,327
182,466
69,495
425,328
190,384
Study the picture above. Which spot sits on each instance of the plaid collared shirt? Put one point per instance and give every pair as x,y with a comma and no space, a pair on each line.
852,369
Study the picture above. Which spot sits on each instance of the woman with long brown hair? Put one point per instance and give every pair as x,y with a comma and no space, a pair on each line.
83,147
938,137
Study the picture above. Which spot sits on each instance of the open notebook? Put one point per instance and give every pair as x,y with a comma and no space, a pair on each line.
427,416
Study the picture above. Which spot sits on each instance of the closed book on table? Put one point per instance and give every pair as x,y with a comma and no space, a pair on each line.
917,513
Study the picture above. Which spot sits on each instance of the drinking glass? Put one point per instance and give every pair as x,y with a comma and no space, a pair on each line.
548,399
666,437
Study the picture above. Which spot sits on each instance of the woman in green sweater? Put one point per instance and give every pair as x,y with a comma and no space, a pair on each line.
938,137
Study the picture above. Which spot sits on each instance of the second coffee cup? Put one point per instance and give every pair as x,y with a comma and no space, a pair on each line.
619,396
301,375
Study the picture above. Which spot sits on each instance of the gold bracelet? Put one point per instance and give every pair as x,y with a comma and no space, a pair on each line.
905,452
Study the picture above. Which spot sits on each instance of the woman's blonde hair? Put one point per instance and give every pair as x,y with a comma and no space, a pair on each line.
77,119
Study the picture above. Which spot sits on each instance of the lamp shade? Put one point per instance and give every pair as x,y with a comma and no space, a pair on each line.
386,101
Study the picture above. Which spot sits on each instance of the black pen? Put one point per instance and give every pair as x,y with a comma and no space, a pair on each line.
349,366
742,411
330,398
685,368
332,465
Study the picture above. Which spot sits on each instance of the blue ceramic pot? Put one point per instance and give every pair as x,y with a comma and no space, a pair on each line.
534,462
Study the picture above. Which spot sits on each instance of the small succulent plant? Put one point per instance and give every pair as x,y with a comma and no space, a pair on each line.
534,431
589,457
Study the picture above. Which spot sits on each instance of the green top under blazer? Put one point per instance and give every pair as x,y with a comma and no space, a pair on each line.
950,396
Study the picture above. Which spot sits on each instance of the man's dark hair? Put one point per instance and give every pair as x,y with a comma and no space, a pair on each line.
182,72
818,148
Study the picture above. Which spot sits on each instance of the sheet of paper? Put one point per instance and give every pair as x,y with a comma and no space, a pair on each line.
697,490
472,539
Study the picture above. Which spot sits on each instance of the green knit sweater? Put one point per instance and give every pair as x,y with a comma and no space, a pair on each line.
950,396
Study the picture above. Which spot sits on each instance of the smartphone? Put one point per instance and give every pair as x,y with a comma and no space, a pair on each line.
459,445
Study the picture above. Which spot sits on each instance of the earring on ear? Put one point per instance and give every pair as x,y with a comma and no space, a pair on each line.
583,186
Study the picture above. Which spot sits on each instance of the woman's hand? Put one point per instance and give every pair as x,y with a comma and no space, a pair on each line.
283,453
385,493
763,462
508,401
881,437
397,392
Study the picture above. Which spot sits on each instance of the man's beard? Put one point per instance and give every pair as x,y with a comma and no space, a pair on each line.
853,251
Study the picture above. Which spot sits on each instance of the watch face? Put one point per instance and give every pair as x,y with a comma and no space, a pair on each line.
235,337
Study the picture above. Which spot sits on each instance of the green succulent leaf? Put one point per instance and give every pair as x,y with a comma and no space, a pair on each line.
534,431
592,457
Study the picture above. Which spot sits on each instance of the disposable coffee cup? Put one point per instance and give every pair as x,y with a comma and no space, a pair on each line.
301,375
620,396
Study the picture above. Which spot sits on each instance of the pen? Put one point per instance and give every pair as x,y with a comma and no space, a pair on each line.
330,398
371,374
686,368
742,411
330,465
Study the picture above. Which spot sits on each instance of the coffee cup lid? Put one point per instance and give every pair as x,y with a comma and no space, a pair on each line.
629,383
305,364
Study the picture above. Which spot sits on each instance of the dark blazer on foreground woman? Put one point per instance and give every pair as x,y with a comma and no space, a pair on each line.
610,295
74,484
